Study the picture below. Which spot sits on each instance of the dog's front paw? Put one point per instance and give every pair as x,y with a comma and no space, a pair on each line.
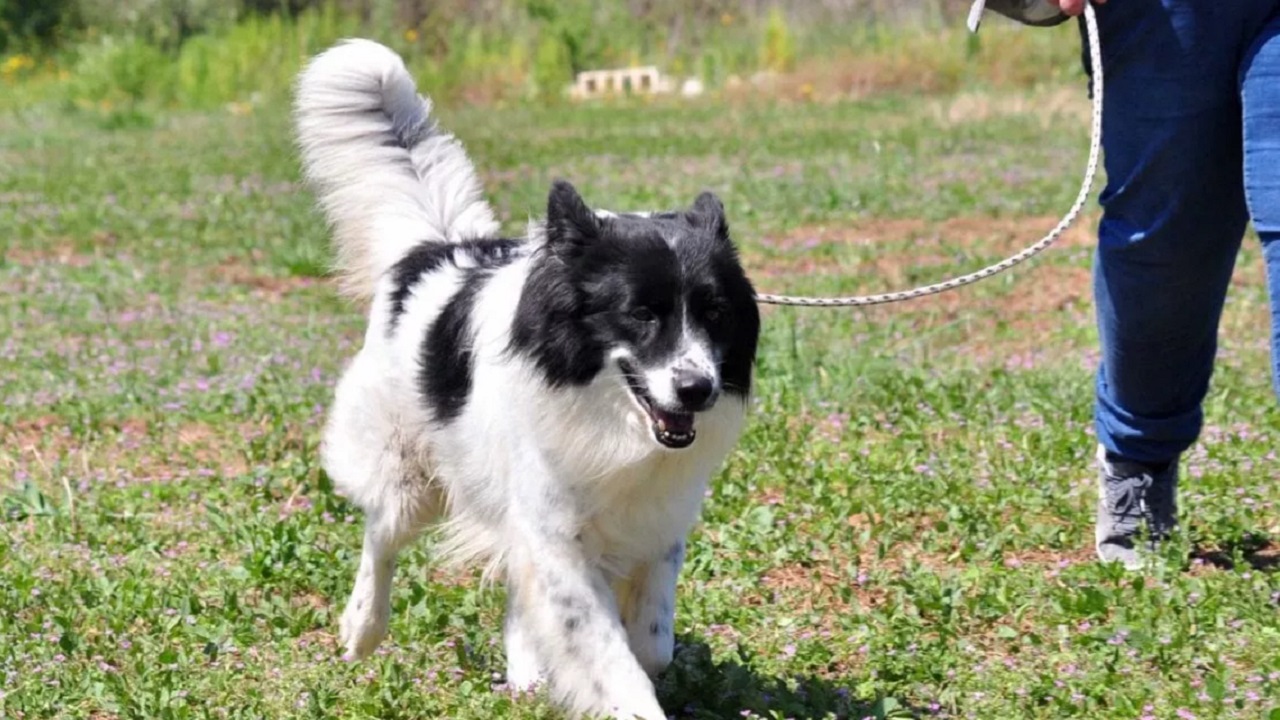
524,671
653,645
632,700
523,677
363,626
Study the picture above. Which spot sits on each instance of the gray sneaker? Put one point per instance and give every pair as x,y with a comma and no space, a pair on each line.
1129,495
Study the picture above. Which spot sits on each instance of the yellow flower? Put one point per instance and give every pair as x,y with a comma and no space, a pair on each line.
411,35
15,64
726,19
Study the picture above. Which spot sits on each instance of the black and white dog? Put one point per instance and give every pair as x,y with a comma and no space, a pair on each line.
557,402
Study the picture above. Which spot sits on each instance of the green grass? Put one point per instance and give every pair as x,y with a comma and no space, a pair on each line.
127,78
904,530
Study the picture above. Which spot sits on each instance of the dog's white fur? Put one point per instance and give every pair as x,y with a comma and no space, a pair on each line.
563,491
381,200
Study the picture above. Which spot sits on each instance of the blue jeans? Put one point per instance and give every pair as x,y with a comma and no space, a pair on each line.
1191,135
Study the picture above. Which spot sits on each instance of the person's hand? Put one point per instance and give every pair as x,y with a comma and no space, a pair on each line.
1074,7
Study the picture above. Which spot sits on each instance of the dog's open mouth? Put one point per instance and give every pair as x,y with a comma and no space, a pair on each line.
672,429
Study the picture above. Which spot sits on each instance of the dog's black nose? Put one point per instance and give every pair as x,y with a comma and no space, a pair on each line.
694,390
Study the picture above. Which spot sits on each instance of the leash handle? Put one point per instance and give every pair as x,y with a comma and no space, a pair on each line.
1086,187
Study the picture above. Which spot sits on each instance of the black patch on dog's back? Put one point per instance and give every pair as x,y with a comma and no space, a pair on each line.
424,258
430,255
444,378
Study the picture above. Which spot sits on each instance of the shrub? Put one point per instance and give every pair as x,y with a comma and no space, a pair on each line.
166,23
31,24
111,71
552,68
779,53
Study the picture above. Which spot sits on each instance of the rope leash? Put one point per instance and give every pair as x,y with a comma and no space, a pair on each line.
1095,143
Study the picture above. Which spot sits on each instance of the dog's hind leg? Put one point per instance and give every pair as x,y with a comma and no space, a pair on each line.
364,622
389,482
647,600
568,611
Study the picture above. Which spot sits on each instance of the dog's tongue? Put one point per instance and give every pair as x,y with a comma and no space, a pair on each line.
673,422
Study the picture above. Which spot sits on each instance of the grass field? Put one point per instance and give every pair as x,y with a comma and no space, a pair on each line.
905,530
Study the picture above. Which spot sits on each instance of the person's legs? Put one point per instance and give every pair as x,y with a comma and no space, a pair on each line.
1260,93
1173,218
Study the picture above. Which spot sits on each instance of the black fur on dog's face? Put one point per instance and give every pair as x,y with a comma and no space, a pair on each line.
661,297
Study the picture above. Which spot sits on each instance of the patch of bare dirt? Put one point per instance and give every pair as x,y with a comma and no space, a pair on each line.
1019,320
1259,554
1017,325
993,235
1050,560
817,587
133,448
1267,558
915,67
44,431
315,601
260,284
212,446
324,639
843,78
1046,108
63,253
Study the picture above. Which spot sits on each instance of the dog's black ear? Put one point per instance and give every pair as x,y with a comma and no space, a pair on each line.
708,212
570,223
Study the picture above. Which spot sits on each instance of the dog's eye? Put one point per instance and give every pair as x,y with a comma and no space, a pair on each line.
643,314
712,314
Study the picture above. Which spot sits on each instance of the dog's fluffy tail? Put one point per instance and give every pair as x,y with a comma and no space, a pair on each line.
386,176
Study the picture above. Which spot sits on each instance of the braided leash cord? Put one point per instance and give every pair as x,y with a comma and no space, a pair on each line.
1091,24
